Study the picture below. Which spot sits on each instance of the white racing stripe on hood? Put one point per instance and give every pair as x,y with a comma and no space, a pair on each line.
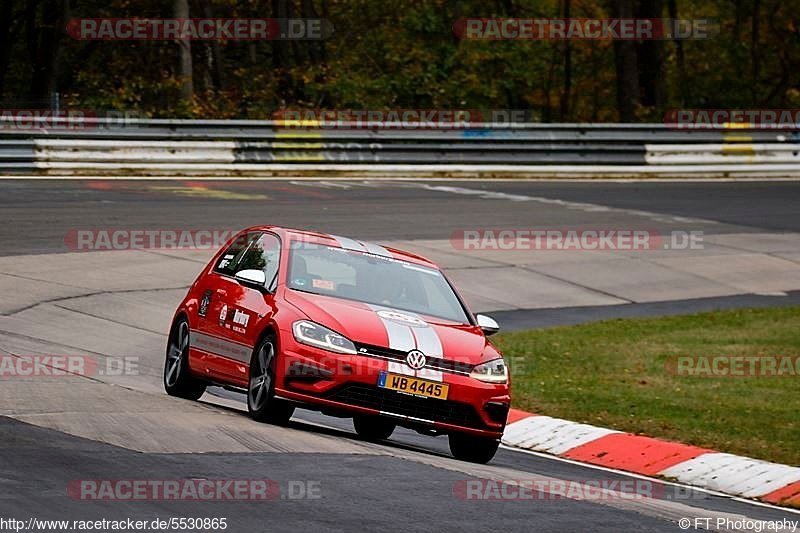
376,249
370,247
405,337
349,244
428,341
400,336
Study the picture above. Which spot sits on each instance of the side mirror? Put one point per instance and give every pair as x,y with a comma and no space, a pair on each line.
487,324
252,278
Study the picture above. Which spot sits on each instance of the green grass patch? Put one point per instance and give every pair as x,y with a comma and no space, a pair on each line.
617,374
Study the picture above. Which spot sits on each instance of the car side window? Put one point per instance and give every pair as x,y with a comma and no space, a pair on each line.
262,254
227,263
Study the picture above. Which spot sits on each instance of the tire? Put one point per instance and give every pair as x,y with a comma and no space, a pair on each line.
373,427
177,379
261,402
473,449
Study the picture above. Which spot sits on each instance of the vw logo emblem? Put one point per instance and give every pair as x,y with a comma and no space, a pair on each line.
415,359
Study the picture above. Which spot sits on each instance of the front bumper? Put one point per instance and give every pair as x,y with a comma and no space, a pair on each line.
347,384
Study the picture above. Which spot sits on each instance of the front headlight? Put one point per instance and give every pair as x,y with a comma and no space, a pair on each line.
314,334
494,371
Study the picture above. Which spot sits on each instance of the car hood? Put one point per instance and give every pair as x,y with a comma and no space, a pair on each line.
391,328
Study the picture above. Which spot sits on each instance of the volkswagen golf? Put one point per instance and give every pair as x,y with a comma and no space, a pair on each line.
352,329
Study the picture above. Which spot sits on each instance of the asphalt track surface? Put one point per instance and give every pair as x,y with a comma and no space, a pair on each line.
35,213
407,483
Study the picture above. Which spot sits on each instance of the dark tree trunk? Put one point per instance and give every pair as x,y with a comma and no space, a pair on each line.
625,60
567,88
651,59
280,55
672,7
754,52
181,10
547,112
7,23
315,48
216,68
43,41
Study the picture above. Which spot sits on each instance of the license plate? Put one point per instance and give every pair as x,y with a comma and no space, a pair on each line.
412,385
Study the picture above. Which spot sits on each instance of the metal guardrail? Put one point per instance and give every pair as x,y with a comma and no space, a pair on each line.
275,148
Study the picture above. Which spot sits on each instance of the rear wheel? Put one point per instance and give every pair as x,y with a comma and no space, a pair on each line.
261,402
373,427
473,449
177,379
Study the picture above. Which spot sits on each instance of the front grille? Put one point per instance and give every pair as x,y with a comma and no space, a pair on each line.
445,411
435,363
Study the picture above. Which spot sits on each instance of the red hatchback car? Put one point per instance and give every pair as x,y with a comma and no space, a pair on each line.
294,318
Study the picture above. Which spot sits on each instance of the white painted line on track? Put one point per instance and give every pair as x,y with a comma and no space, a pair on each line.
580,206
324,184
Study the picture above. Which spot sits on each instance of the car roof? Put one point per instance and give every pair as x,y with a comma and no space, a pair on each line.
344,242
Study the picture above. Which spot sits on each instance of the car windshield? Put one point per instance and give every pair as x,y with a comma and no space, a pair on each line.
372,279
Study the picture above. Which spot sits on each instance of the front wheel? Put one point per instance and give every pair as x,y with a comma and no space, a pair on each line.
473,449
177,380
373,427
261,402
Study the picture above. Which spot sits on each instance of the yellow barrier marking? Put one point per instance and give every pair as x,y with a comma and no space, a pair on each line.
299,145
737,125
298,134
203,192
729,137
738,149
292,123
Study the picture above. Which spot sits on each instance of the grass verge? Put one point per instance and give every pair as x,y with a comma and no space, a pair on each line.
623,374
